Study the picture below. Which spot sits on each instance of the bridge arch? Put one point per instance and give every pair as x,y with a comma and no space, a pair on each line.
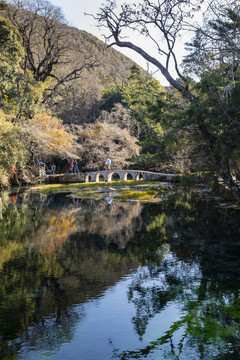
127,176
139,176
99,177
113,176
107,175
88,178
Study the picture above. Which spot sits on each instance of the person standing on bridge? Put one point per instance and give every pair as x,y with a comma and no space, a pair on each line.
76,169
108,164
71,167
53,168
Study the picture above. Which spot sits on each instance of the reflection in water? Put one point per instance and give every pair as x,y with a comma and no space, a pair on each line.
115,224
150,294
162,278
58,255
51,332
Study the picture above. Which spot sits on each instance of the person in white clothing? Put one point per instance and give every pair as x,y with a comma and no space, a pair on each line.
108,163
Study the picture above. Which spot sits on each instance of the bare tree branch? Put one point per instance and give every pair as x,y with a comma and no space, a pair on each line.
48,41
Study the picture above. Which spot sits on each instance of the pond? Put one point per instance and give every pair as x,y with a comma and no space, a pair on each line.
96,280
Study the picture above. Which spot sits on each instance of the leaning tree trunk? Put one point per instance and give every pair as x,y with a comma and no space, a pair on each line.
220,151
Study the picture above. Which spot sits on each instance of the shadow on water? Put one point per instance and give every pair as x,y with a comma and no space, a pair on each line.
58,254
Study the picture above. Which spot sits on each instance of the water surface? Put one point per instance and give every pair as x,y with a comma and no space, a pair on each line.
86,279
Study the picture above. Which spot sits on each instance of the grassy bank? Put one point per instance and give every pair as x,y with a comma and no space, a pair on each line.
120,190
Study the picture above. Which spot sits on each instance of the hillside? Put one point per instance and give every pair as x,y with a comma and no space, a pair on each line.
78,98
73,65
65,95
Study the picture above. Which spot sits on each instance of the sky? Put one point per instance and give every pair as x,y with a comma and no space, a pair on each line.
74,10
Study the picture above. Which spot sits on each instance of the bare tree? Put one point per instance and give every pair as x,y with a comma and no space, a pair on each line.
48,42
162,22
100,140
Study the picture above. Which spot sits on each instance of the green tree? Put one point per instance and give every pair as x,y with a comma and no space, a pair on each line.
145,97
141,93
12,149
153,111
10,47
214,56
169,19
19,92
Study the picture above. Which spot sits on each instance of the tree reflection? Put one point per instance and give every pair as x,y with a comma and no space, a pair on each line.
200,276
207,329
55,253
115,223
54,331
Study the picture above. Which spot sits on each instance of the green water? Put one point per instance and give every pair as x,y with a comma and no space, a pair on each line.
93,280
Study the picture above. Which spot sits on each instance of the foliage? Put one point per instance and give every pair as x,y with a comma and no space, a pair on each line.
104,140
142,95
46,136
150,114
214,52
215,49
12,150
219,100
20,93
42,61
145,97
27,133
121,117
41,137
10,48
43,31
110,97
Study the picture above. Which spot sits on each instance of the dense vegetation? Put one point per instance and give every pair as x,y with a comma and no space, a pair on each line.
64,94
209,84
52,77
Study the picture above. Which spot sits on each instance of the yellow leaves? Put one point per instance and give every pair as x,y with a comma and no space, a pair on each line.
11,148
10,44
52,221
5,125
58,232
49,134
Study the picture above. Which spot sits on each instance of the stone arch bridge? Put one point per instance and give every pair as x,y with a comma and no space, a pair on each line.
111,175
